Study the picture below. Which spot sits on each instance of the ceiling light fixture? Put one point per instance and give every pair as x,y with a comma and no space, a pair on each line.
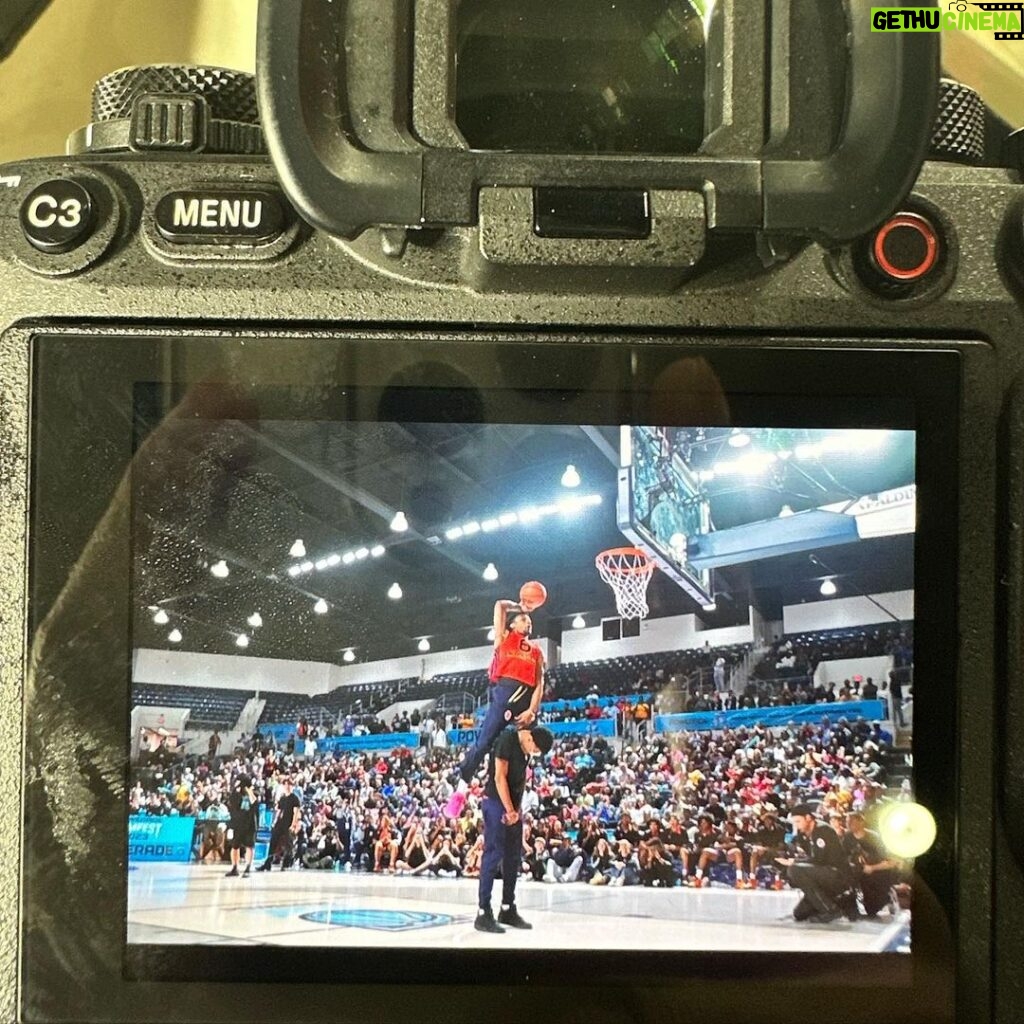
491,572
320,607
298,549
220,569
161,618
399,524
174,636
395,592
570,478
255,620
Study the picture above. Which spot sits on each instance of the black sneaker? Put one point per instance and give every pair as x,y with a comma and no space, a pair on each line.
485,923
265,866
848,905
233,873
245,873
512,919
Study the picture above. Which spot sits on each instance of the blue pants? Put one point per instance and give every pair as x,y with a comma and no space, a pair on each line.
509,698
503,847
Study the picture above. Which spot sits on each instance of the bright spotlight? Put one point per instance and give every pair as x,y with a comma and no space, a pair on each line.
571,477
907,830
220,569
298,549
399,524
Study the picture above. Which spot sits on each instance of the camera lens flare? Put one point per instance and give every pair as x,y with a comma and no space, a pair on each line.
907,830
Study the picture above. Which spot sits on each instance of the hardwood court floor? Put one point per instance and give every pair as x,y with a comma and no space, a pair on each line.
193,904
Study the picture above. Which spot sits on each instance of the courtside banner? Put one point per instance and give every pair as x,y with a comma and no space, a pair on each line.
776,718
160,838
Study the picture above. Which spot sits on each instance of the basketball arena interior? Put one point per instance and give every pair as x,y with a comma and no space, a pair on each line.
325,615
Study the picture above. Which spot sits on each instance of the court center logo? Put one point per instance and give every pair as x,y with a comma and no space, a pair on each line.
1004,21
378,920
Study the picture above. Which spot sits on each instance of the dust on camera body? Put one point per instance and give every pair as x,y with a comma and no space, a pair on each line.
551,202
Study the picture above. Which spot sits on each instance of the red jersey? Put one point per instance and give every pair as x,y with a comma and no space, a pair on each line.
516,658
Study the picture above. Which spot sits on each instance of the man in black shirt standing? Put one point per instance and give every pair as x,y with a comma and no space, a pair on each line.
242,826
823,874
287,819
503,826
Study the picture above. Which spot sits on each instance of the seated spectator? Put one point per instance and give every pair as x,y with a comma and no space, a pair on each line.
566,861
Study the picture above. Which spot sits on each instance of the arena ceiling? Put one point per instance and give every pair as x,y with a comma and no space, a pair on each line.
252,491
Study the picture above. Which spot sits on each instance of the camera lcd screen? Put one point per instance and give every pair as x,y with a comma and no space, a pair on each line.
582,76
313,642
264,641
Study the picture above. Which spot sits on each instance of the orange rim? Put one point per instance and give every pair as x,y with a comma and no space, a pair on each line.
606,559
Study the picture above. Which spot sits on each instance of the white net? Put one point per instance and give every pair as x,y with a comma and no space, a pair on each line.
627,571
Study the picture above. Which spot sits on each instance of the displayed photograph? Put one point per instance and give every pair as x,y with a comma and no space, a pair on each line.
516,686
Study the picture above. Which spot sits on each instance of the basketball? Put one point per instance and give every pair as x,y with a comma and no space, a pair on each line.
532,595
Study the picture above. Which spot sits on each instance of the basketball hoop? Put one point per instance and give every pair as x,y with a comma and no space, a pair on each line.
627,571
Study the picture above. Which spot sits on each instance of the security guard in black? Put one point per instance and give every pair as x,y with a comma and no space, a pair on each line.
823,872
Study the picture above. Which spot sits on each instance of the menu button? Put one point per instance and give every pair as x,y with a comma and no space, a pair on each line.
210,217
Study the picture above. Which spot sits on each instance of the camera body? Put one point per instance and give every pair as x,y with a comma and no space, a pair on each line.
168,223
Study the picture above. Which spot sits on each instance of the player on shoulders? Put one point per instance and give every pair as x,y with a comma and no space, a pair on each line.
517,688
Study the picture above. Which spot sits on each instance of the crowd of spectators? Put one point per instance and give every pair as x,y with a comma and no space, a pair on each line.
670,810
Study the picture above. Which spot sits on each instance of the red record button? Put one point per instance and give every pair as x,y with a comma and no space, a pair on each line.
906,247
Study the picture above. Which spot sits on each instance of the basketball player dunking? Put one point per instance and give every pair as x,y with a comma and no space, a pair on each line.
516,693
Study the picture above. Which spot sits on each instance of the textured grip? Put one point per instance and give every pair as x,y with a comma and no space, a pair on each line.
230,95
959,133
